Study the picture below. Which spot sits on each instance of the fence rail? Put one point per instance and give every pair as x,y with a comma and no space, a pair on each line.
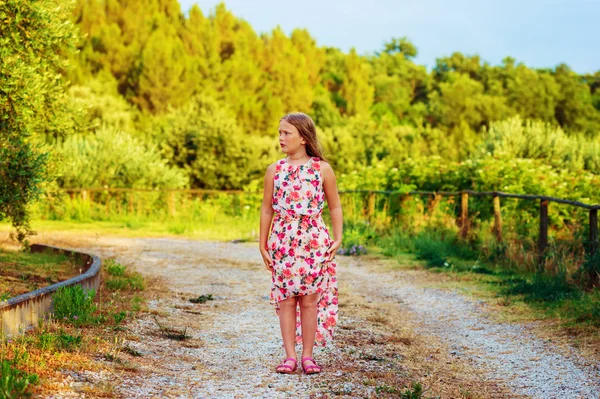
594,244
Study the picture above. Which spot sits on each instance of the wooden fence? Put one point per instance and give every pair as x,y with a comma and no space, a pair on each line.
594,244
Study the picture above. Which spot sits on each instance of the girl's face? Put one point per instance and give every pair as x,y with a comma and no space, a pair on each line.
290,139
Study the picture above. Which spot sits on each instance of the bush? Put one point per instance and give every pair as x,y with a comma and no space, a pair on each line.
123,280
14,382
541,288
114,269
73,305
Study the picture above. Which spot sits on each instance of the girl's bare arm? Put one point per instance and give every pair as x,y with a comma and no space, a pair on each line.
266,211
333,202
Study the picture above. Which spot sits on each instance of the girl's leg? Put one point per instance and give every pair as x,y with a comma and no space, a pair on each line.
308,315
287,322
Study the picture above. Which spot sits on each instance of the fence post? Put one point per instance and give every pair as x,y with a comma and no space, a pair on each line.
131,204
403,199
107,207
594,244
171,203
371,206
497,219
85,195
433,203
464,215
543,239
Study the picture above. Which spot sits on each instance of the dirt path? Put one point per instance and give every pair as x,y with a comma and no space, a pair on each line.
392,332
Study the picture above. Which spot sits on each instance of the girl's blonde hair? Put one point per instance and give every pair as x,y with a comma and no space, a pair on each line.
306,128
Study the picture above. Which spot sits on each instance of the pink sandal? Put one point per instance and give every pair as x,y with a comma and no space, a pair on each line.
286,368
311,369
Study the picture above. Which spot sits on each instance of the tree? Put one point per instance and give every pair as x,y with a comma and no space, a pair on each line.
203,138
401,45
356,88
34,36
574,109
163,72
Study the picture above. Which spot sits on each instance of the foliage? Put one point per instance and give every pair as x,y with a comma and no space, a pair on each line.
113,158
122,279
33,102
73,305
14,382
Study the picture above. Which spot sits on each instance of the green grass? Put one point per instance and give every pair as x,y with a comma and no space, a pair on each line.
22,272
73,305
121,279
222,228
543,296
14,383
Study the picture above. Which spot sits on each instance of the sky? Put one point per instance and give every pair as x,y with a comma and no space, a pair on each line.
538,33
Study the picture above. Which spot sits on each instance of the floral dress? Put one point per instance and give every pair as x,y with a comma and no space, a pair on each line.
299,245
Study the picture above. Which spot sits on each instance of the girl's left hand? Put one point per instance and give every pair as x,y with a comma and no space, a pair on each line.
333,249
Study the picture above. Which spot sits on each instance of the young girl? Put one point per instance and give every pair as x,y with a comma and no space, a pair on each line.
299,252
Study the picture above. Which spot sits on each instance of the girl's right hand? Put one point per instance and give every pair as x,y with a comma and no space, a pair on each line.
267,259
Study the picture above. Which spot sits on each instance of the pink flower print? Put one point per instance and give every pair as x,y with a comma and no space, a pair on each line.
295,243
297,188
319,253
334,301
331,270
314,243
298,206
295,196
291,252
314,223
317,165
314,203
281,236
291,282
284,184
287,273
288,264
288,200
330,322
315,183
318,337
304,224
302,270
278,167
310,261
309,279
276,177
308,194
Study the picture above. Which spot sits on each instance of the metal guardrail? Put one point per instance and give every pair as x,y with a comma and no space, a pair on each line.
26,310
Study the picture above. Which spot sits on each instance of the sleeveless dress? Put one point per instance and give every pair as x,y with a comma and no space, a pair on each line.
299,245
